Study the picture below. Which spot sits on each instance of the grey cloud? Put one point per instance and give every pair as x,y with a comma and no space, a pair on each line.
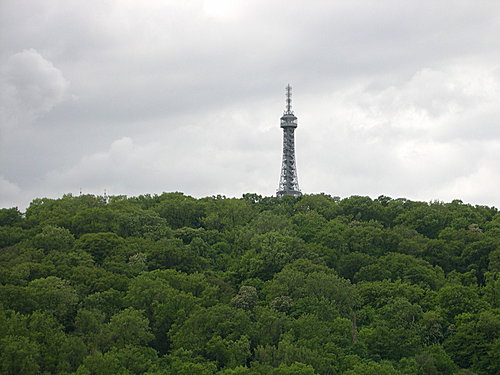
11,194
187,96
30,85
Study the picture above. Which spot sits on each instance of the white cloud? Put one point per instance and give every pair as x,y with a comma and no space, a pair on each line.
480,184
430,137
30,86
218,154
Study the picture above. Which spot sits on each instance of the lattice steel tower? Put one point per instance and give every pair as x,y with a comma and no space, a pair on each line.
289,183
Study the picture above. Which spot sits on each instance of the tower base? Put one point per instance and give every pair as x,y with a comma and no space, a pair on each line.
293,193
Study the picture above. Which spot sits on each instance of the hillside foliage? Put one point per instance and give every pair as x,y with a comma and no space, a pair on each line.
315,285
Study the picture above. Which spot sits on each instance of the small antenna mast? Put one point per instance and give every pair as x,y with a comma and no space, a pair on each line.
289,99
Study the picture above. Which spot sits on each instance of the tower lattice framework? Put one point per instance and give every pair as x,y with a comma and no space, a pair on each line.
289,183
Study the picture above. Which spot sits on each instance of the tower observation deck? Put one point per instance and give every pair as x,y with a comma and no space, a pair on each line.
289,183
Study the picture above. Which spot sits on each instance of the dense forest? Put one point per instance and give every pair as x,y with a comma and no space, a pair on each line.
171,284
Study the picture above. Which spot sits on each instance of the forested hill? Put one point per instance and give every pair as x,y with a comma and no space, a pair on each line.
170,284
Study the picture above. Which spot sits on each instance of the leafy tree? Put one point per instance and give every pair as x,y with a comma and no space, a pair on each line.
286,353
101,364
410,242
110,301
19,355
402,267
444,253
476,255
379,293
296,368
88,325
11,235
126,360
434,360
372,368
270,324
323,204
58,352
94,220
457,299
491,289
10,217
54,295
224,214
394,333
432,327
268,221
220,320
370,238
333,235
180,210
172,253
54,238
171,284
308,224
100,245
246,298
351,263
142,223
269,253
129,327
163,303
473,342
185,362
228,353
239,370
59,212
313,289
362,208
427,219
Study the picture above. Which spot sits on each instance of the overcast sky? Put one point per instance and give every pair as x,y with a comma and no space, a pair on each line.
396,98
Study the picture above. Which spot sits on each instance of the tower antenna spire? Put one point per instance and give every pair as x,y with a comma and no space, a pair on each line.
289,100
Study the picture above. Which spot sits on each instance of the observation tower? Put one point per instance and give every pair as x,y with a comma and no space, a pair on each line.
289,183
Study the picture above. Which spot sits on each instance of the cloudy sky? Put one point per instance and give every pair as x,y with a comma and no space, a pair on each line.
396,98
